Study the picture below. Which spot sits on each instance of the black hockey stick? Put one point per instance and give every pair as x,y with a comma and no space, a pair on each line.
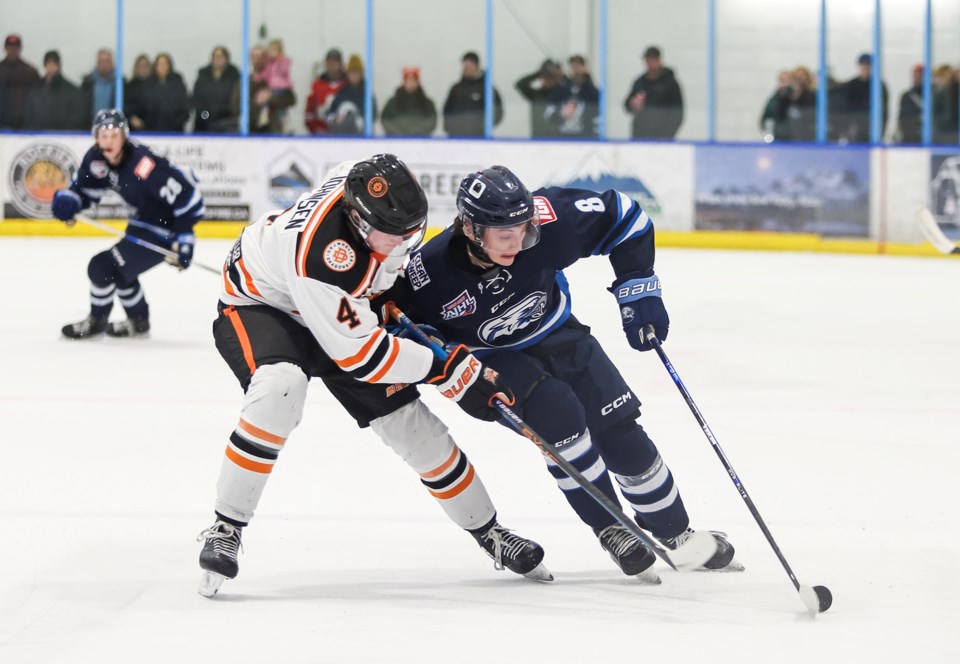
698,553
163,251
817,599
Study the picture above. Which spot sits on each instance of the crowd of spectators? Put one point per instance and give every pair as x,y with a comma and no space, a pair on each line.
562,104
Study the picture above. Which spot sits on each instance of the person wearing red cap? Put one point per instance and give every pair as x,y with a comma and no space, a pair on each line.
410,112
16,80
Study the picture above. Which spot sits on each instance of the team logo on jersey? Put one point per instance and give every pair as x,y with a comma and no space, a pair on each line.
339,256
523,314
99,169
544,209
464,305
377,187
417,273
35,174
144,167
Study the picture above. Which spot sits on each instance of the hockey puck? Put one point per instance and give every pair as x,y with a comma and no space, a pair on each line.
824,597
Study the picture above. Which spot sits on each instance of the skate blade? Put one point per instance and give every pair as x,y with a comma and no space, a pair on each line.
539,573
210,583
697,550
648,577
733,566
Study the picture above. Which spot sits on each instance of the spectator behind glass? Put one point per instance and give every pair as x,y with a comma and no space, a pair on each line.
213,94
537,88
346,114
17,78
409,112
945,105
574,106
99,86
56,103
849,106
910,115
276,74
790,113
655,100
324,89
463,109
135,91
167,107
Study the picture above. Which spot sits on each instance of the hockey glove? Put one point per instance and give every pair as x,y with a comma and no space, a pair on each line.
183,246
66,203
640,305
463,379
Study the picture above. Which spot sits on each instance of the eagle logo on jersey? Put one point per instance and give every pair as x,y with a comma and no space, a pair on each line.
463,305
526,312
339,256
377,187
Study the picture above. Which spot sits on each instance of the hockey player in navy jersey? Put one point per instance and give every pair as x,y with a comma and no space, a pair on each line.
295,305
166,204
494,281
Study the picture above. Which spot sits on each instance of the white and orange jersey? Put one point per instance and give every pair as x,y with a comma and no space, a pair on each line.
306,262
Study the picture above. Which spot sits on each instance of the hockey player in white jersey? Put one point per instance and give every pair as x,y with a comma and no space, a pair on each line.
294,305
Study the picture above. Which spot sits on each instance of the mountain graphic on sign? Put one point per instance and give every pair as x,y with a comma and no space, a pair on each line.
292,177
596,175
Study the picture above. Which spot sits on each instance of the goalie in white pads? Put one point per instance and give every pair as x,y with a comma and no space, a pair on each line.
294,305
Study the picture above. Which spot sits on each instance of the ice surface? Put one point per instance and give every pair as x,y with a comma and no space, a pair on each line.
830,381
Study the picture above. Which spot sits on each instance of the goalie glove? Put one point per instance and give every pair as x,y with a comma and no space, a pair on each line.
462,378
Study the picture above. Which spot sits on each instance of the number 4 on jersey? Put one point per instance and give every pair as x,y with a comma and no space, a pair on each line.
346,314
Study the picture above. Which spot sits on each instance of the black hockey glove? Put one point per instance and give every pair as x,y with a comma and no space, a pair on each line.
474,387
640,304
183,246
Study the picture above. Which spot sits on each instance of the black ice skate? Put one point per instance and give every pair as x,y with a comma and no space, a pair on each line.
722,560
218,558
511,551
88,328
629,552
131,327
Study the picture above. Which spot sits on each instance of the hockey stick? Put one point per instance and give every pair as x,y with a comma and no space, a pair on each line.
932,231
817,599
163,251
699,551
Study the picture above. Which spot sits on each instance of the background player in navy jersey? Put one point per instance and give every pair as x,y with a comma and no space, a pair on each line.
166,204
295,305
494,281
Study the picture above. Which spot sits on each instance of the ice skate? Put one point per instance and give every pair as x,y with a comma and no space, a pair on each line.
88,328
218,558
512,552
629,553
131,327
721,561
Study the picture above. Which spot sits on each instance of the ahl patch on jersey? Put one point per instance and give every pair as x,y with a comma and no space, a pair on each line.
144,168
544,209
339,256
464,305
99,169
417,273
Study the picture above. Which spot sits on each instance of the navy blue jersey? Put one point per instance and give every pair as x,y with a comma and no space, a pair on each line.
517,306
166,200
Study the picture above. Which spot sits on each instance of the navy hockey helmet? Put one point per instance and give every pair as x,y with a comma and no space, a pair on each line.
110,118
496,198
383,194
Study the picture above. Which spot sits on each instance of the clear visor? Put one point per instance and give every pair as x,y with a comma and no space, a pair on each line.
386,244
529,229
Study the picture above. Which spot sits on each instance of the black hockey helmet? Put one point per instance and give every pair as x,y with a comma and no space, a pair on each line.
110,118
496,198
385,196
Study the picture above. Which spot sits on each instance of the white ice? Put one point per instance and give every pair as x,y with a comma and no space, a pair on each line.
830,381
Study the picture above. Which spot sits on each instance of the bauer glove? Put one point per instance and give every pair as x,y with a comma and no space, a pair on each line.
462,378
640,305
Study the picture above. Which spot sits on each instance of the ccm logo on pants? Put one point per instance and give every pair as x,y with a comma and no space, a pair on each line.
619,401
